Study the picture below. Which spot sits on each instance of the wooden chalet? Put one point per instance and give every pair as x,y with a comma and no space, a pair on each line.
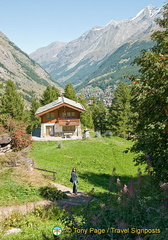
61,118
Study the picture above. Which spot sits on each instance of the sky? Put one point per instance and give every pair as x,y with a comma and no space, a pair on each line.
32,24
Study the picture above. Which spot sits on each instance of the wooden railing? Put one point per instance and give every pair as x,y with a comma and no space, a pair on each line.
69,122
53,172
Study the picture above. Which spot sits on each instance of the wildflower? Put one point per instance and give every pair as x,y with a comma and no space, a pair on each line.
125,189
147,156
119,199
102,205
118,181
148,210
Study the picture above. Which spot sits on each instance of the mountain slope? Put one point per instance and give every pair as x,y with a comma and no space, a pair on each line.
46,54
16,65
117,66
83,56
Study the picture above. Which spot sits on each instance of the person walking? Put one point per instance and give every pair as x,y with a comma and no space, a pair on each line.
74,180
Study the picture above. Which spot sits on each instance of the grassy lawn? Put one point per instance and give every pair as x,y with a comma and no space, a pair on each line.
94,159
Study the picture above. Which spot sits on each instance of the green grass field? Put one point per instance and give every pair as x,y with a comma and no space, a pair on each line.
94,159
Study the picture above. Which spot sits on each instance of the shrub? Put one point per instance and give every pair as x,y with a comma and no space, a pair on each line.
20,139
138,206
17,130
52,194
2,129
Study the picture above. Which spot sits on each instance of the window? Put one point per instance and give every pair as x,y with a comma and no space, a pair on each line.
73,114
50,115
50,130
68,115
64,115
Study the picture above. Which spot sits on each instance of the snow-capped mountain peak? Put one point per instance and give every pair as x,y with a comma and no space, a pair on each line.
97,43
149,11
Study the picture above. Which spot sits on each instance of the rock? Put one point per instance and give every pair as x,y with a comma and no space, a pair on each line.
6,148
86,133
13,230
27,162
5,139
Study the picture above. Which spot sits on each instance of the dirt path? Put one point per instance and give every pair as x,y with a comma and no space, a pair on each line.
28,207
78,199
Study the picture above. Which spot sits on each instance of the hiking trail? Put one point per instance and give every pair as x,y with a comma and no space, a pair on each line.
72,200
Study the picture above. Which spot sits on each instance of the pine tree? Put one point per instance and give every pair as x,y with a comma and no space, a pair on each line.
70,92
119,112
99,115
86,117
50,94
11,102
34,122
150,102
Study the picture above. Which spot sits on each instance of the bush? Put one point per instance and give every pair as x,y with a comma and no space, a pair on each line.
20,140
52,194
19,136
2,129
140,207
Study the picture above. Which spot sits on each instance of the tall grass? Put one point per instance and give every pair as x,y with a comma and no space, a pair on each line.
17,184
13,193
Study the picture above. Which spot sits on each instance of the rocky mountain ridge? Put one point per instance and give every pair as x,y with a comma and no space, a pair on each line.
30,78
81,57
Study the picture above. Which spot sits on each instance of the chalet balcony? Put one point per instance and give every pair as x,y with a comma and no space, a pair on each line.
69,122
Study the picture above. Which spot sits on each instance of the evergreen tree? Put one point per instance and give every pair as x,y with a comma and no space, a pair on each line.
50,94
99,115
86,117
11,102
119,112
70,92
150,102
34,122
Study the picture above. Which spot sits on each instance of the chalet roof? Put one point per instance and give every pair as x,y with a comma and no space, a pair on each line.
59,101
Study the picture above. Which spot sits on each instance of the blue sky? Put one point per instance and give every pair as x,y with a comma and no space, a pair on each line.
32,24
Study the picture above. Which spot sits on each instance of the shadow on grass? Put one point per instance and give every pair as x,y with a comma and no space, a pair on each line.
109,182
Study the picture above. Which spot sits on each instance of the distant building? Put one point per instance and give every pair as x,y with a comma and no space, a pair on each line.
61,118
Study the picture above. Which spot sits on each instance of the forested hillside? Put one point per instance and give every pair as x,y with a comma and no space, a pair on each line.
117,67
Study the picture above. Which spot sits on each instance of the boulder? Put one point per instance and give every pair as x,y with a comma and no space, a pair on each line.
5,139
28,162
